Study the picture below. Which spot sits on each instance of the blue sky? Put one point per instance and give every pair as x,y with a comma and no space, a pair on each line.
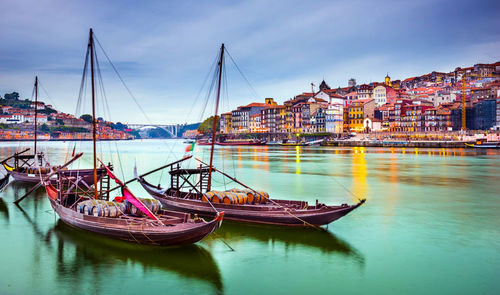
163,49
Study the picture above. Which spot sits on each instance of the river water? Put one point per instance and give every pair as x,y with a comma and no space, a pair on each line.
431,225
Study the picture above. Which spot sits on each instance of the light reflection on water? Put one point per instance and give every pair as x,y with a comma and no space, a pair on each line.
430,225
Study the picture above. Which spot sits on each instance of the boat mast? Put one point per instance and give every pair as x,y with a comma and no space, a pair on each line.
36,108
94,137
214,124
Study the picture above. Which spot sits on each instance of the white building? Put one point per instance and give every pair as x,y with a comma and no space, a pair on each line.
255,125
372,124
16,118
328,96
380,95
440,98
334,118
41,119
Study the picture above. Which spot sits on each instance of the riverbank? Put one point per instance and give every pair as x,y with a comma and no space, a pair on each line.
412,144
63,139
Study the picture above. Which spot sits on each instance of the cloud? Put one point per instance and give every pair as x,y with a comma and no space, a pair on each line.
163,49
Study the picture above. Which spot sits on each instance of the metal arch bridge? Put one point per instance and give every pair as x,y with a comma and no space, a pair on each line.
173,130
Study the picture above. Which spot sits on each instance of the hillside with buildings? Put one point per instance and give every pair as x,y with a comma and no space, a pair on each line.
17,122
427,103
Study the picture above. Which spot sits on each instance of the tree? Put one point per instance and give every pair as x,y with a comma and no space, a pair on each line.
44,128
119,126
87,118
206,126
14,95
60,122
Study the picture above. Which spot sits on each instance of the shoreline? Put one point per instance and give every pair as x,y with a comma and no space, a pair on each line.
56,139
398,144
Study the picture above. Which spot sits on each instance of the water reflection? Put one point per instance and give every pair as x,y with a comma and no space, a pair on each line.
83,257
324,241
4,210
78,251
359,173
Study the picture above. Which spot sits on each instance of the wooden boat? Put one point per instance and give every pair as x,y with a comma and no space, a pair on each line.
175,229
24,169
126,218
190,191
189,198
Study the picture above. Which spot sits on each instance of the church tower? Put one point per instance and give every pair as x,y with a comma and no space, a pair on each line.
323,86
388,80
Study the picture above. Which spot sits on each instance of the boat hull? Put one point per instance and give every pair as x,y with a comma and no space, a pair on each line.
87,176
261,214
177,235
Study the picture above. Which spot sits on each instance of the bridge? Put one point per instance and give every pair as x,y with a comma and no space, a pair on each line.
173,130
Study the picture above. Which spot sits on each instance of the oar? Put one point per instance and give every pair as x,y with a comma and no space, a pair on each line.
152,171
47,178
5,160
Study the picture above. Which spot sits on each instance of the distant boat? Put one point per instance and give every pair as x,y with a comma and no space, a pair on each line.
302,143
233,142
242,142
274,142
203,142
482,144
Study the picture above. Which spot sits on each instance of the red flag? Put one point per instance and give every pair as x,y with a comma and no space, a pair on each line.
129,196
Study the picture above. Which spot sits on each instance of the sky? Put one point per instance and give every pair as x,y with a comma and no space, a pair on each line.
163,49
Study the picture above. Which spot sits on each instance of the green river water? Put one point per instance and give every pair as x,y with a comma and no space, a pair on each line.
431,225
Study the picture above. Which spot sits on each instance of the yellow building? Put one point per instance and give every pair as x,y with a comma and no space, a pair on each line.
358,111
226,123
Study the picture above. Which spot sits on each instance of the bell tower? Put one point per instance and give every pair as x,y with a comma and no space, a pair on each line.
388,80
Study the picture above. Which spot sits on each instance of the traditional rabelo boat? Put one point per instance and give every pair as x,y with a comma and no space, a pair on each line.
128,217
29,167
191,191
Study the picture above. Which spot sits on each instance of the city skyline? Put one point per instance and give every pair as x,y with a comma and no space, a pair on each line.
163,51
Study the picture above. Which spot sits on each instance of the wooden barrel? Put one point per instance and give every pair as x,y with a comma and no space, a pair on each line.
257,197
109,209
213,196
207,196
262,197
234,198
152,204
218,197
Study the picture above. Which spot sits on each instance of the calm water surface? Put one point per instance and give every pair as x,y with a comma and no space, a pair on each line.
431,225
